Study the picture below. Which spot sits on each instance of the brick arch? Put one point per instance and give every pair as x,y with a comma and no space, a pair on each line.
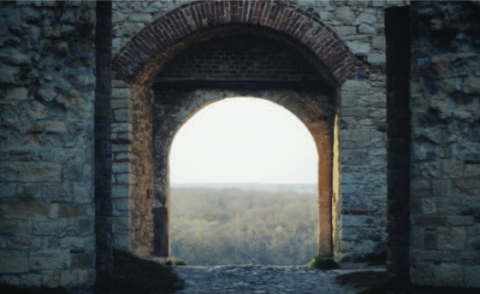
145,47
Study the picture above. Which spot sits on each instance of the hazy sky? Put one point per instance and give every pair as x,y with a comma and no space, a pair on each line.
243,140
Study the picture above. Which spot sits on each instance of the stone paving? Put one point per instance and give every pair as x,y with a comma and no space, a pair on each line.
259,279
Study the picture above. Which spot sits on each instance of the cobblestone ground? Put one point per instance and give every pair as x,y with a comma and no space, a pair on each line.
259,279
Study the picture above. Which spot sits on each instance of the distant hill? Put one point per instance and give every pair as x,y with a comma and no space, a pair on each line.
300,188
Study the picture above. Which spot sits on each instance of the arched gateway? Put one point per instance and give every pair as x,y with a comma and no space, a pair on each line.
202,52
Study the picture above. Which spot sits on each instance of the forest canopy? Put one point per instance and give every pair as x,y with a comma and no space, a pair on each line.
235,226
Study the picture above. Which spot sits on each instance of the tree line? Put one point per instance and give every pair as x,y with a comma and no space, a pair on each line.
234,226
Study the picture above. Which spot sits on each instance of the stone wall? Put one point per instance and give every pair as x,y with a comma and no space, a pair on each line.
132,168
445,185
47,81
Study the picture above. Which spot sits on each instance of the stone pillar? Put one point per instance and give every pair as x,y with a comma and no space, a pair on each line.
161,232
325,163
398,146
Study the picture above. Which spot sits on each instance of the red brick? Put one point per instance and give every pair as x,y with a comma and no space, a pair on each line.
282,16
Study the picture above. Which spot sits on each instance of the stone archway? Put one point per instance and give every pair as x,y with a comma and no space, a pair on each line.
307,104
149,52
158,42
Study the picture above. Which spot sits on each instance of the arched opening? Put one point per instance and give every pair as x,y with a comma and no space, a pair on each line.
162,95
243,184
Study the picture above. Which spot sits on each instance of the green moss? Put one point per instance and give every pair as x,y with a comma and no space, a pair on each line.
323,263
139,276
370,282
180,262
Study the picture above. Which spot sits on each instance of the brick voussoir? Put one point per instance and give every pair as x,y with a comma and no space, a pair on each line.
281,16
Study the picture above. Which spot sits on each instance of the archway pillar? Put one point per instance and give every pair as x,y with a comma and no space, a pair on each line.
322,132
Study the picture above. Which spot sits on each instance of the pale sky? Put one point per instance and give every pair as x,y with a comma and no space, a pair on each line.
243,140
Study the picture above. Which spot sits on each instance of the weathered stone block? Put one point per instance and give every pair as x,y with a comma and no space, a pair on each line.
8,226
50,227
55,126
10,280
429,206
457,220
57,191
30,171
452,169
24,209
72,242
448,205
420,188
472,276
29,191
25,243
120,104
472,85
120,191
474,242
19,93
430,169
427,220
120,224
470,257
8,190
344,14
51,278
120,93
354,157
468,187
122,204
49,260
472,171
53,210
120,167
423,274
85,227
8,74
70,211
45,96
126,179
120,115
441,188
449,275
440,67
13,262
31,280
72,278
121,241
417,237
451,238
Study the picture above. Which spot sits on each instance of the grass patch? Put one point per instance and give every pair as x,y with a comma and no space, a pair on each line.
373,258
323,263
135,275
4,288
368,282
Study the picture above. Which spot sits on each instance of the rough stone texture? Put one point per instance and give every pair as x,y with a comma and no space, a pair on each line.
46,107
47,81
445,61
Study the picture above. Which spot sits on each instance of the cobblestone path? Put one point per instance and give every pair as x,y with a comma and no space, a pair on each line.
259,279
